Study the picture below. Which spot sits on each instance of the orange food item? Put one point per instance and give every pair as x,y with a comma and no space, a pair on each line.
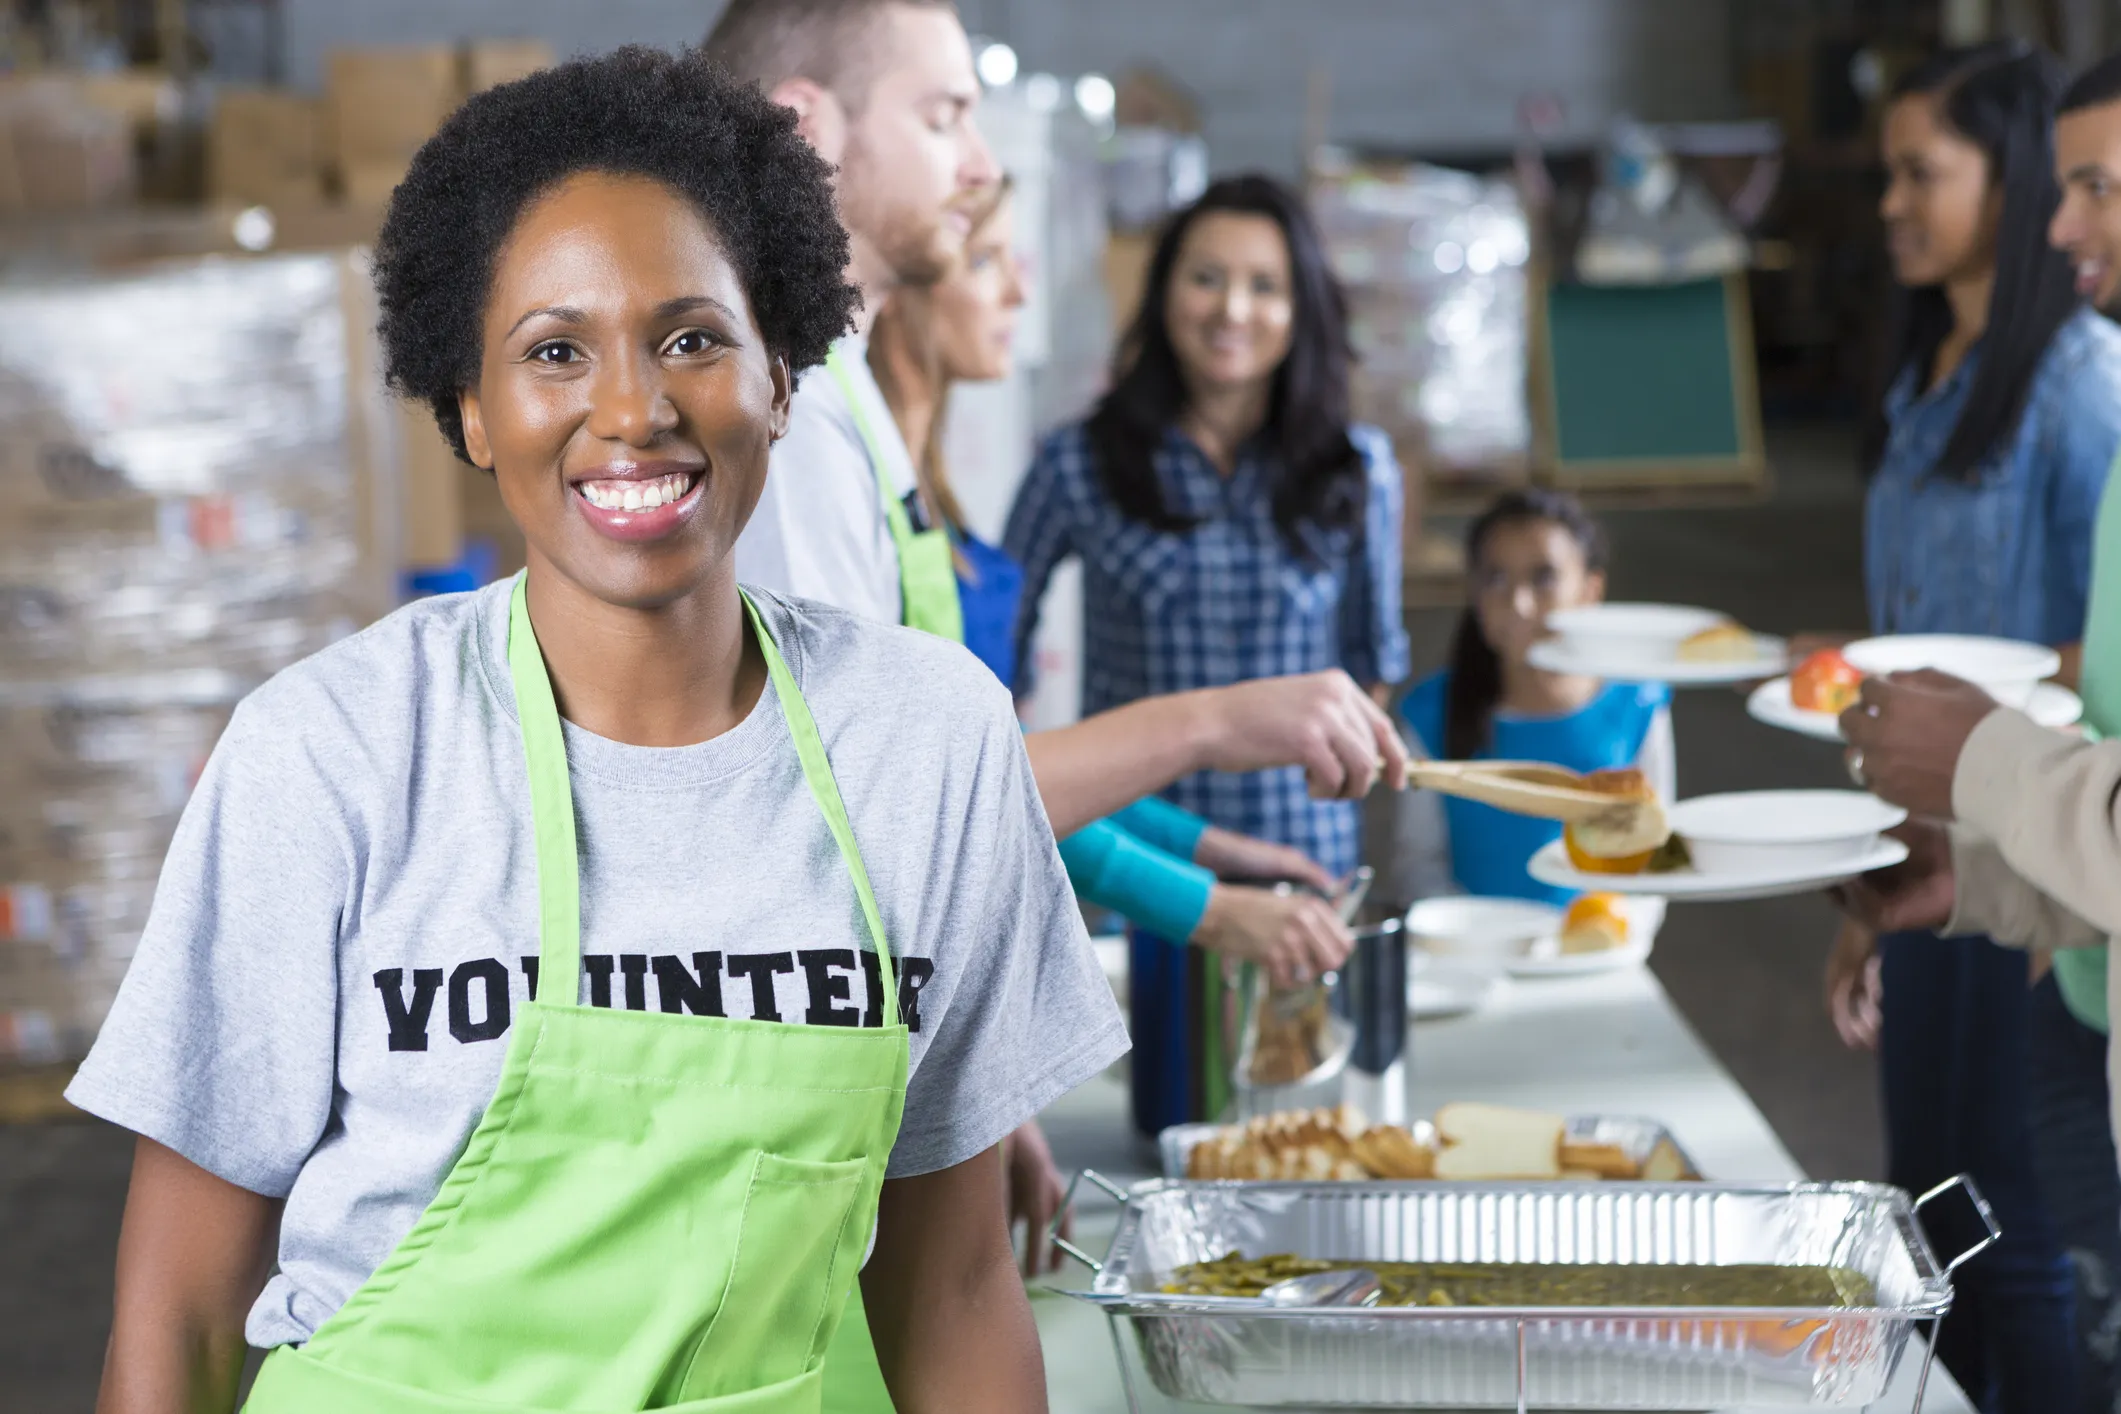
1628,784
1825,682
1594,923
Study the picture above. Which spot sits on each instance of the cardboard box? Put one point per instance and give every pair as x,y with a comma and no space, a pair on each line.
381,104
496,61
367,186
265,148
1126,272
62,152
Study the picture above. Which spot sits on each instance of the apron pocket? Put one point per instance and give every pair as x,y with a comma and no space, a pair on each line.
796,1251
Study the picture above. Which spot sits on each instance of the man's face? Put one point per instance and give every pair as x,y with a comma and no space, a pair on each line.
2087,225
913,154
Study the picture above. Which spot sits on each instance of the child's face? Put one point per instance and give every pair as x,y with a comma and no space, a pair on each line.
1526,571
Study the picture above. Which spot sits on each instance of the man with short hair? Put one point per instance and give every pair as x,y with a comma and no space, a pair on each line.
886,91
2037,844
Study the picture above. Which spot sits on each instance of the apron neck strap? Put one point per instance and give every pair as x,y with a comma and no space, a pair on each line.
552,802
900,523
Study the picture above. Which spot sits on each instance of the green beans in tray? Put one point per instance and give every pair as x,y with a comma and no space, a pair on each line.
1546,1284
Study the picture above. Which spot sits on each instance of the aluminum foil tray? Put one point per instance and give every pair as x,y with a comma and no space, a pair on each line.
1225,1351
1635,1136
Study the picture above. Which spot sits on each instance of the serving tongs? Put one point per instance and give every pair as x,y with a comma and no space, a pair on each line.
1524,788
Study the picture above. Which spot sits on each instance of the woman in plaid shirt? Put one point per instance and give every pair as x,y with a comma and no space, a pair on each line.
1232,522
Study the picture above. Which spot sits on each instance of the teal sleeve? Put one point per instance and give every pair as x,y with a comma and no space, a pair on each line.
1150,888
1166,826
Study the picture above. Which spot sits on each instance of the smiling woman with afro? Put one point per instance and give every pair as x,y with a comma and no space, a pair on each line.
638,111
596,990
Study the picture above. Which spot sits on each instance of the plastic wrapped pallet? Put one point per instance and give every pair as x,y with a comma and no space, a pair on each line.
190,499
1434,262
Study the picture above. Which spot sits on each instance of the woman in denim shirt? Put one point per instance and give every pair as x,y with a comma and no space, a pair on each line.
1990,455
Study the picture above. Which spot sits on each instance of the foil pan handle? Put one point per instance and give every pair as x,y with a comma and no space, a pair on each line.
1053,1229
1982,1210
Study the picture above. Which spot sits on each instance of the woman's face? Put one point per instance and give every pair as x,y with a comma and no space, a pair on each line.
626,399
1940,208
1527,570
1231,306
975,306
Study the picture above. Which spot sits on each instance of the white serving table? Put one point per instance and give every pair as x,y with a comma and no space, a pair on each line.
1607,1044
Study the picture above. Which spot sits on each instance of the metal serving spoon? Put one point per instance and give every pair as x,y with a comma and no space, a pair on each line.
1348,1286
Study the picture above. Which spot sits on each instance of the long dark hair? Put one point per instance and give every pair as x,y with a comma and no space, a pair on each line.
2001,97
1476,671
1318,475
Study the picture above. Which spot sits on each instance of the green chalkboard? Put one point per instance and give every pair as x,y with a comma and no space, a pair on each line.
1650,378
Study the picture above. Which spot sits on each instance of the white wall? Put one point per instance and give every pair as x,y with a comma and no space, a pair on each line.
1438,74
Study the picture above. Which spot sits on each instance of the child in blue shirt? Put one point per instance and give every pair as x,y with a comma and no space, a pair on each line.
1531,554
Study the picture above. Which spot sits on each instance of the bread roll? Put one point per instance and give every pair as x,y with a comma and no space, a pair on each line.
1624,840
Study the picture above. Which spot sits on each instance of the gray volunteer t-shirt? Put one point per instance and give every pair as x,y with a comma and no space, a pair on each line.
347,918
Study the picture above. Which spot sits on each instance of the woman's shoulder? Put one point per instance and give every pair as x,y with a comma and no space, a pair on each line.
1065,449
371,682
1375,448
2084,356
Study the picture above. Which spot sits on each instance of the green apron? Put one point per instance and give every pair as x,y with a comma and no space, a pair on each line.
927,571
927,584
656,1211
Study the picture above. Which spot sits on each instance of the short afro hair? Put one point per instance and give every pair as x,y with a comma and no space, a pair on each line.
678,119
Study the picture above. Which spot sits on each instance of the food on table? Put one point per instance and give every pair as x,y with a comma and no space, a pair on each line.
1825,682
1626,840
1594,923
1545,1283
1488,1142
1726,642
1664,1164
1310,1144
1479,1142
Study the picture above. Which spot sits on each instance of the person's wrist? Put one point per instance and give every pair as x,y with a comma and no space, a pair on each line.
1204,727
1214,918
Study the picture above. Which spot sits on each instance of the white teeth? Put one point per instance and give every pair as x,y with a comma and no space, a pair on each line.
636,495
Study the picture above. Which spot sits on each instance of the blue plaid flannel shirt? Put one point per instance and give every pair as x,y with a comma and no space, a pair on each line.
1226,602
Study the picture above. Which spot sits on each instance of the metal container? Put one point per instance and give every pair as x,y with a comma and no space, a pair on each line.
1232,1351
1634,1136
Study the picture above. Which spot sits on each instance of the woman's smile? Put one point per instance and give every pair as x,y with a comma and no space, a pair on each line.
638,501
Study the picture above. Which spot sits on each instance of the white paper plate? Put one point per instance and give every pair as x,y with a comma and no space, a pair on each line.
1465,927
1517,936
1438,987
2053,705
1581,659
1546,959
1551,866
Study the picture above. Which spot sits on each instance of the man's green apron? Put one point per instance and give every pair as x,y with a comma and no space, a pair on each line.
927,582
927,571
656,1211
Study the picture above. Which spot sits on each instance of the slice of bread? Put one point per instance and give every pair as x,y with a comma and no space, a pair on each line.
1605,1160
1491,1142
1723,643
1663,1165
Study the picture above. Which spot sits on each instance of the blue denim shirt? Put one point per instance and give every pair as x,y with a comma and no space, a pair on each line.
2009,552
